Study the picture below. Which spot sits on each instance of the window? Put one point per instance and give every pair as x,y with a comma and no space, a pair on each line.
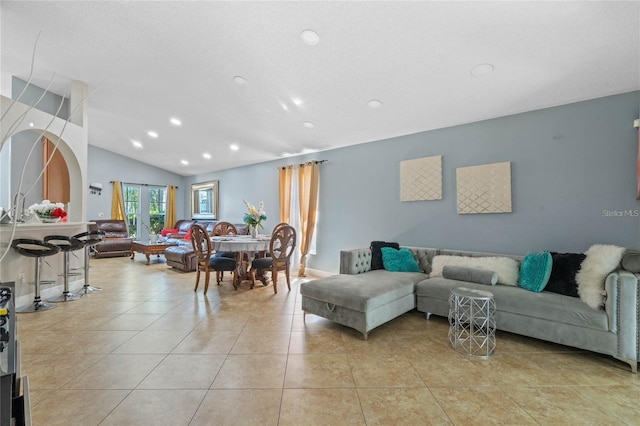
157,208
145,208
132,209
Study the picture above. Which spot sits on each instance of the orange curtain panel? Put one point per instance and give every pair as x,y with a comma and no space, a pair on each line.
285,174
309,179
170,217
117,205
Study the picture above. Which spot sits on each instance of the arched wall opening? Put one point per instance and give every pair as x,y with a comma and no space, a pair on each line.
72,146
21,144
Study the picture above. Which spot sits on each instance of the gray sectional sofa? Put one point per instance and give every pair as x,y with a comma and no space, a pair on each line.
364,299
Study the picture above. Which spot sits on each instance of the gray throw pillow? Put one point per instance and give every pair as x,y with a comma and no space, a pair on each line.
631,261
473,275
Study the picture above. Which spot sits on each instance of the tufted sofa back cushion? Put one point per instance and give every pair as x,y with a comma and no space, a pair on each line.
424,256
112,228
355,261
358,261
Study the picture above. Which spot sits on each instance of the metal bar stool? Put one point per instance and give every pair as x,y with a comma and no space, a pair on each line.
38,250
66,245
89,239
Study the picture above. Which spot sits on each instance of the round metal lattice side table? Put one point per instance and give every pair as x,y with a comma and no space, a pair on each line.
472,326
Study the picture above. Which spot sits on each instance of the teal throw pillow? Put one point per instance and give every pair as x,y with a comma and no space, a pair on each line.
399,260
535,271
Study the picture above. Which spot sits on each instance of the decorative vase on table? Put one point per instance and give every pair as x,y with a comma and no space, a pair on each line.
153,238
253,217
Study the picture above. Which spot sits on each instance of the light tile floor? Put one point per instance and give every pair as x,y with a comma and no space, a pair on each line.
147,350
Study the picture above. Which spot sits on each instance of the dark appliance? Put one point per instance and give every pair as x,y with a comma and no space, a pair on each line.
11,402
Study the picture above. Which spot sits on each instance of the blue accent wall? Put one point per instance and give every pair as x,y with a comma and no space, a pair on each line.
570,165
104,166
39,98
21,144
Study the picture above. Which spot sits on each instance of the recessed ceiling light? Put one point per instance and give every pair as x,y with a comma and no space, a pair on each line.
240,80
284,106
152,134
184,162
137,144
207,155
310,37
31,124
374,103
297,101
234,147
308,125
175,121
481,70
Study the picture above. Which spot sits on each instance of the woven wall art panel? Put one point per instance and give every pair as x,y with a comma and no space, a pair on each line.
421,179
484,189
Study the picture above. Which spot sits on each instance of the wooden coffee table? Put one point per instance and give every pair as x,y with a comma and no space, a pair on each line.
148,248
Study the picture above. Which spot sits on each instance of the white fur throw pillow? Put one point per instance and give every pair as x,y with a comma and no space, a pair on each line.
600,261
506,268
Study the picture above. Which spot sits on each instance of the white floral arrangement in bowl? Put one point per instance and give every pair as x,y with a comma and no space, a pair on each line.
48,212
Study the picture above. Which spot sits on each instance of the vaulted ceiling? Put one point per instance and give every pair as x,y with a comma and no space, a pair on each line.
246,73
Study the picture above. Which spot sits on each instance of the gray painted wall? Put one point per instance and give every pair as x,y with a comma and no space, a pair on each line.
50,102
569,163
21,144
105,166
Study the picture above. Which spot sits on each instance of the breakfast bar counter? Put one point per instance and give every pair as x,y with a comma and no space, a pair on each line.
20,269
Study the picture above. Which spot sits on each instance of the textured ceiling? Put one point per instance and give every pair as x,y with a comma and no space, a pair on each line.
156,60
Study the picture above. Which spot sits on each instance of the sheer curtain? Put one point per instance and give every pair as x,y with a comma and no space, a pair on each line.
294,212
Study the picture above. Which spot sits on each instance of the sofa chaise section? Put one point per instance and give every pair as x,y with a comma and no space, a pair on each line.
363,301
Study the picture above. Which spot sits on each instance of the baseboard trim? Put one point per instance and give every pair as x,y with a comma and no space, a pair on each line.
318,273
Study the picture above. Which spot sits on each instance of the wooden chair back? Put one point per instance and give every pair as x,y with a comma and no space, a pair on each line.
282,245
202,249
224,228
275,228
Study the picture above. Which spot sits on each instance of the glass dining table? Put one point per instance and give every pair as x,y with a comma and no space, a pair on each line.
246,247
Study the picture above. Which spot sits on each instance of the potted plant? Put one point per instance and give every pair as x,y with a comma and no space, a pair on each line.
153,229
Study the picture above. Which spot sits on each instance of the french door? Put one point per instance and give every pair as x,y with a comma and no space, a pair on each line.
145,207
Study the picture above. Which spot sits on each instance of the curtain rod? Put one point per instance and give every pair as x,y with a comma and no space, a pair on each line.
143,184
304,164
